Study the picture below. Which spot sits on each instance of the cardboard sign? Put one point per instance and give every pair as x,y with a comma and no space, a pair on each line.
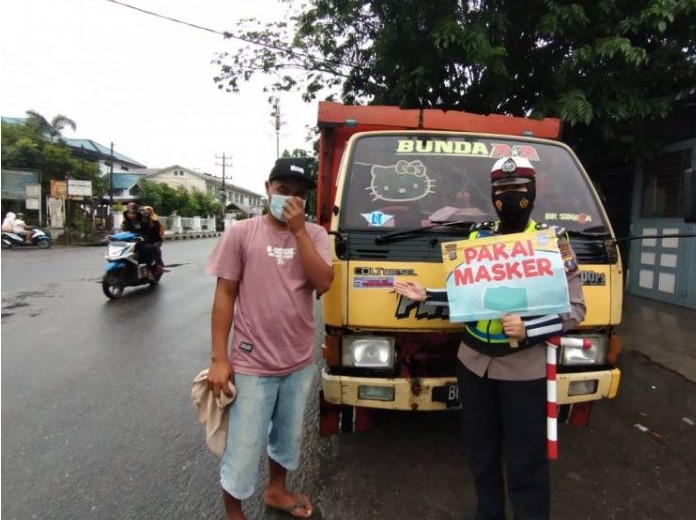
520,273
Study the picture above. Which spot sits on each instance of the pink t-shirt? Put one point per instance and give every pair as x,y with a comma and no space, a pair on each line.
273,326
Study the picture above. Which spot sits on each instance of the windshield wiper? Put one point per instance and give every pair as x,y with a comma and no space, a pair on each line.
593,232
409,233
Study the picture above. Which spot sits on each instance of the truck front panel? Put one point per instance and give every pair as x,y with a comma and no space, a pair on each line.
399,195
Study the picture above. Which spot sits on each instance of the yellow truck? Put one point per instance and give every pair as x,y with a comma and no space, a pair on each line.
393,186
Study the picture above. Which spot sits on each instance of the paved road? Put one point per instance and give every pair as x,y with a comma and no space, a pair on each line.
96,421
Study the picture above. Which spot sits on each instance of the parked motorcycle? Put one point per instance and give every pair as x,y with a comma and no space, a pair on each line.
123,268
39,239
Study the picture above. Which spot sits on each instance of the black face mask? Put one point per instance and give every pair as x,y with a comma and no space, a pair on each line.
514,209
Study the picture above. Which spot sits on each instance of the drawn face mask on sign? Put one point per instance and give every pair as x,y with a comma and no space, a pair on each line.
505,298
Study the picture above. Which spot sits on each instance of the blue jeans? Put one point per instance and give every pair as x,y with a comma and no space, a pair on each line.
268,411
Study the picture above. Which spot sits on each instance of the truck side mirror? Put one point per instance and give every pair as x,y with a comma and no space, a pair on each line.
689,193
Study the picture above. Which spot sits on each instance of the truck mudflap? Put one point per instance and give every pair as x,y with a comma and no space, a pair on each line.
441,393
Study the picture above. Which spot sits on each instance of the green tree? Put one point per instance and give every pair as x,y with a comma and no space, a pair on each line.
54,128
167,200
28,146
605,67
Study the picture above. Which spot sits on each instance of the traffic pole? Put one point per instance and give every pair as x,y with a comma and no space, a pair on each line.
552,389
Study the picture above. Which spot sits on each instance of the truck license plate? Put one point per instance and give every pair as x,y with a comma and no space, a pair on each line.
448,394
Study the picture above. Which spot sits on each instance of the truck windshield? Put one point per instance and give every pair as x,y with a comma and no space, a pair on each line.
408,180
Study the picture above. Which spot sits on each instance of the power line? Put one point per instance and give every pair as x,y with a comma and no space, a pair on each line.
223,33
176,20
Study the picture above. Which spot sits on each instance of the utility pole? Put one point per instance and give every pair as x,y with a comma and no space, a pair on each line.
277,123
223,193
110,218
111,177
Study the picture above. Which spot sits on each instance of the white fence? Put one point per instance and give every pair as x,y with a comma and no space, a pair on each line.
179,225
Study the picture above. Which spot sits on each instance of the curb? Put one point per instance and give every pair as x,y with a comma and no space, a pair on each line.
173,236
186,236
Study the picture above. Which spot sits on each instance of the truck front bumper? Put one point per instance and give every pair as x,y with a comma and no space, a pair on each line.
440,393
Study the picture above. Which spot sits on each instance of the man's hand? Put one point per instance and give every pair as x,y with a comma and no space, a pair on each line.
219,375
412,290
513,327
294,214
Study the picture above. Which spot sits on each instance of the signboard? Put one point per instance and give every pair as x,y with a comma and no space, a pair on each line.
79,188
56,213
520,273
33,191
33,197
59,189
14,183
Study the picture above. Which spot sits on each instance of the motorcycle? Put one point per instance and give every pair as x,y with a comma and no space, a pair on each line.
39,239
123,269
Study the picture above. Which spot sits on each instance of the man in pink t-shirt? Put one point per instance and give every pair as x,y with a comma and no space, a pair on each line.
267,269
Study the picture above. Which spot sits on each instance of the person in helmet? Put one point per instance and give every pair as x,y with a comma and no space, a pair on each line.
132,220
22,229
501,370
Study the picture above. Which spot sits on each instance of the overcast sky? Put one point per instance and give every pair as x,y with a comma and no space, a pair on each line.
145,83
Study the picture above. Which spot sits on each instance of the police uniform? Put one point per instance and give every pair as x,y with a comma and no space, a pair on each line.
503,392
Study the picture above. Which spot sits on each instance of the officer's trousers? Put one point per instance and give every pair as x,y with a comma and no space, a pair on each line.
505,421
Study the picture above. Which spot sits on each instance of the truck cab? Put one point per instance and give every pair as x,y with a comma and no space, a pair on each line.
396,184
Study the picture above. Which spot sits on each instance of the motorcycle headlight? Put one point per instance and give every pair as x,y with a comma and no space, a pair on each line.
595,355
367,351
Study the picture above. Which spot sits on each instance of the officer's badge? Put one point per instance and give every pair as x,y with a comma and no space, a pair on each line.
509,166
524,203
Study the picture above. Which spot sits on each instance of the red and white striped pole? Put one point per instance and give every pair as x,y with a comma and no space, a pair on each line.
552,389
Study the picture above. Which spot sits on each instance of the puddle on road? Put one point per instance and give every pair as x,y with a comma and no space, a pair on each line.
18,301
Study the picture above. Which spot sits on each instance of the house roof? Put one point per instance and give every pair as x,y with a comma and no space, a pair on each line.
88,145
125,181
217,181
102,151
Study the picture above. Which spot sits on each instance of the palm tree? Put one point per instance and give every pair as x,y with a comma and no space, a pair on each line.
54,129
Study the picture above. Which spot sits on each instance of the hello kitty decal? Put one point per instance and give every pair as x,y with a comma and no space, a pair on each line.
404,181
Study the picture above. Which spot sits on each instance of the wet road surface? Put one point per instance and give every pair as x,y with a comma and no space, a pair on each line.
97,422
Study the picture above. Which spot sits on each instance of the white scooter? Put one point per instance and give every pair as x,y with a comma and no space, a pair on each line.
38,239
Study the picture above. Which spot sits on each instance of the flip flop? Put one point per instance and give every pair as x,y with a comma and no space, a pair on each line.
296,509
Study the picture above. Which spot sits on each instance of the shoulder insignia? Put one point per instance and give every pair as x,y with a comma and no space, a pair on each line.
570,264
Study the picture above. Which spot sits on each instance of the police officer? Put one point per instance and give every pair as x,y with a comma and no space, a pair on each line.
502,367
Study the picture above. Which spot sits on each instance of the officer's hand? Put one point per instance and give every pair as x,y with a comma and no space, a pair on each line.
294,214
220,373
513,327
412,290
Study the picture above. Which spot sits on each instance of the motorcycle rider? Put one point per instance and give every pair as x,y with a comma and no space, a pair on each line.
134,222
21,229
153,233
8,223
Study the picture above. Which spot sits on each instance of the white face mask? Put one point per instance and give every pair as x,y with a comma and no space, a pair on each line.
277,203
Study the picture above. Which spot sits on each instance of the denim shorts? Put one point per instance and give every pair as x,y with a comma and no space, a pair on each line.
268,411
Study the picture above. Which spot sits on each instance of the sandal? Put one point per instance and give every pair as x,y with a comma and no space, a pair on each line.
302,508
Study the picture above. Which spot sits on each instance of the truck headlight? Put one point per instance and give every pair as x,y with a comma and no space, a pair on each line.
368,351
595,355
